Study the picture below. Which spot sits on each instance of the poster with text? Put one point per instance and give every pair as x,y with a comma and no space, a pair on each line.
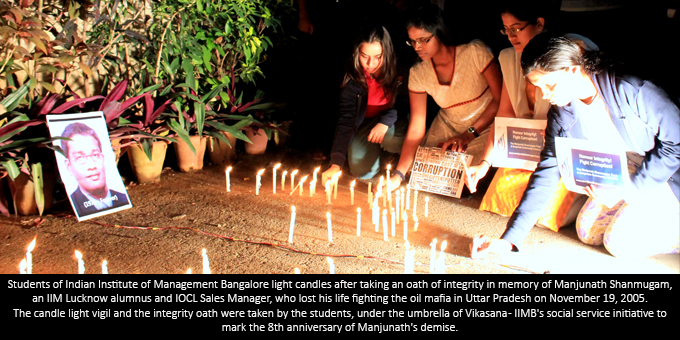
518,143
439,172
583,163
88,165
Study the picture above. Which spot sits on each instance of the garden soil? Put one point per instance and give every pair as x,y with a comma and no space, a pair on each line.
243,233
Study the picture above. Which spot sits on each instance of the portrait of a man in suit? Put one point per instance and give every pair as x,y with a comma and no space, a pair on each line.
85,160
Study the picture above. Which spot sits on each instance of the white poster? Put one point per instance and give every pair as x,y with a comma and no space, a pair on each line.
583,163
439,172
518,143
89,169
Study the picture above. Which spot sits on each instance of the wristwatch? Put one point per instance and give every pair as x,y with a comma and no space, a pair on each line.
472,130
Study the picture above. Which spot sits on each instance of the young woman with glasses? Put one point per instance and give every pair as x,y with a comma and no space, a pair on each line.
594,101
464,80
367,120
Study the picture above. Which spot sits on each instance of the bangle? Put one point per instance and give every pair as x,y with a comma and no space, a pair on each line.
398,173
487,162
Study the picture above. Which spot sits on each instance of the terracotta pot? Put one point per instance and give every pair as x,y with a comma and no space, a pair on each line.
220,152
259,139
24,199
148,170
186,159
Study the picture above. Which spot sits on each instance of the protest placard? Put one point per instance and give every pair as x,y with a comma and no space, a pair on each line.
439,172
518,143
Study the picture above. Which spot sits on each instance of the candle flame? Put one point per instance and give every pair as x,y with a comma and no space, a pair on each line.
292,208
317,169
297,271
328,215
427,199
443,245
434,240
189,271
23,265
277,166
353,183
104,263
31,245
285,172
402,189
329,260
229,169
303,179
358,210
389,166
382,179
79,256
294,172
205,252
259,173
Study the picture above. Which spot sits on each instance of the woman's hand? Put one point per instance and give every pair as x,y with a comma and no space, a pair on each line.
474,174
606,195
377,133
328,174
482,245
393,183
458,143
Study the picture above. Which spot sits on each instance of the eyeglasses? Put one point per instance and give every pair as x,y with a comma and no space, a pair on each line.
420,41
513,31
81,158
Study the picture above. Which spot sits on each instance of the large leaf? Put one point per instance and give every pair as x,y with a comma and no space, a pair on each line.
72,103
183,134
189,73
115,95
14,99
38,187
231,129
12,169
12,129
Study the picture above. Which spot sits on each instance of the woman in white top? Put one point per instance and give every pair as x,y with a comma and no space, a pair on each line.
464,80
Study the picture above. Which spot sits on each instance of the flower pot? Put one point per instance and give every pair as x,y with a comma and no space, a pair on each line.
259,139
186,159
147,170
220,152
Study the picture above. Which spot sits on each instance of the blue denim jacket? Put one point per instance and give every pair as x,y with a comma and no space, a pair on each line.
648,120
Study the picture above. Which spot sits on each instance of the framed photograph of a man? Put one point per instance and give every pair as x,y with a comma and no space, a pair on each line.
88,165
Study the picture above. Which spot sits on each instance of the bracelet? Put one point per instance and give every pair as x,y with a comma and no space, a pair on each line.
487,162
398,173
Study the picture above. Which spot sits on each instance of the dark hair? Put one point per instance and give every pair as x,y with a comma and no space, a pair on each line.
387,77
546,53
430,18
528,11
78,129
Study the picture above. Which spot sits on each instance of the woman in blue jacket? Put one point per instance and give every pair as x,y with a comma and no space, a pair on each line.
594,102
367,120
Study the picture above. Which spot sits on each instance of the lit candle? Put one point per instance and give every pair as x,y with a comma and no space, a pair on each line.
302,184
258,183
189,271
398,205
385,224
330,227
228,174
376,215
409,259
441,261
206,262
408,196
387,185
433,253
274,176
335,185
393,220
380,190
405,217
29,256
81,263
415,199
312,187
292,180
370,194
328,190
331,265
358,221
283,180
105,268
292,224
22,266
403,201
427,201
296,270
315,172
389,166
351,191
